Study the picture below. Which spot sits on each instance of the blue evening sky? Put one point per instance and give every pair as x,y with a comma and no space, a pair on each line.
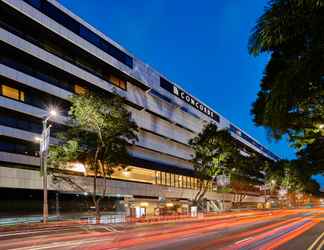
201,45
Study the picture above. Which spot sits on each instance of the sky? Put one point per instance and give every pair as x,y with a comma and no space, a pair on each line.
200,45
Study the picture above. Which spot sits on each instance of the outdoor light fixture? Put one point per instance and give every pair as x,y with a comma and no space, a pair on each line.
43,152
169,204
38,139
53,112
125,172
144,204
78,167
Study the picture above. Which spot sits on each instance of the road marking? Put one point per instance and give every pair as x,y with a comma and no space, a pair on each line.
33,232
316,241
110,228
61,244
246,239
320,246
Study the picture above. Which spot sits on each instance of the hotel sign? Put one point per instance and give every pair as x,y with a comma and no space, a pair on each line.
188,99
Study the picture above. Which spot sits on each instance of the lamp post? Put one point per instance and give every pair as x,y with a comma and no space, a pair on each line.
223,181
43,150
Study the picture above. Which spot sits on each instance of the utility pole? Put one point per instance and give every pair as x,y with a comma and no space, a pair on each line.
44,144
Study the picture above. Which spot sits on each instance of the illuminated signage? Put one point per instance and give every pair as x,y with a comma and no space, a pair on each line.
188,99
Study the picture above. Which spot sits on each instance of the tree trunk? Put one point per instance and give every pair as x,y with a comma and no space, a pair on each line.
94,197
200,195
98,212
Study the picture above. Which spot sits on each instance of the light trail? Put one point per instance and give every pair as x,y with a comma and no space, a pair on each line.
259,230
276,236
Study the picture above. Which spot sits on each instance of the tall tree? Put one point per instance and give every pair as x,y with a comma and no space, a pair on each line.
293,175
101,129
291,96
247,175
213,155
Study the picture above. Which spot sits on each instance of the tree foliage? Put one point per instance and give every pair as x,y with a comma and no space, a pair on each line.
247,175
213,155
293,176
291,99
101,128
291,96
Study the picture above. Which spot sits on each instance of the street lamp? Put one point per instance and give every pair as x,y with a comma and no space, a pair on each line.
43,150
223,181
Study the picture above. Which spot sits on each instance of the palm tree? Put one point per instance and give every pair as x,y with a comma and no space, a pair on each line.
291,96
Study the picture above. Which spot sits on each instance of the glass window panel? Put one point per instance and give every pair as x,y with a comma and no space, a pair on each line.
117,81
180,180
157,177
194,183
172,180
22,96
35,3
79,89
169,179
176,180
7,147
163,178
90,36
10,92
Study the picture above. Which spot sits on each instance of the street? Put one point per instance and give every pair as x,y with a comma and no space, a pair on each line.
280,229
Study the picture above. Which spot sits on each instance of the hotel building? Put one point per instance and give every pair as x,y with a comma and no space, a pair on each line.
48,54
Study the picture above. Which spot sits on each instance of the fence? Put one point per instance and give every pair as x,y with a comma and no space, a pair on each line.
122,218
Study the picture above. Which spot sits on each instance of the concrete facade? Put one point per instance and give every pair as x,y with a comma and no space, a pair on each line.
166,121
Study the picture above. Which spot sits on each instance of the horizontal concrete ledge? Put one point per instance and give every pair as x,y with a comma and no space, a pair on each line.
31,179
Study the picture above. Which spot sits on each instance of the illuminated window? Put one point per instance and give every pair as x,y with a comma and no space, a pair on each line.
80,90
195,183
12,93
117,81
172,180
22,96
168,179
180,181
158,177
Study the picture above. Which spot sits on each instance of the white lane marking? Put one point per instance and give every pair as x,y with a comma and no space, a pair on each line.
320,246
316,241
61,244
246,239
33,232
110,228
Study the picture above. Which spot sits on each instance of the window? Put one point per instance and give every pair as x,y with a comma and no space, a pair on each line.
89,36
157,177
117,81
70,23
78,89
172,180
162,178
12,93
161,96
166,84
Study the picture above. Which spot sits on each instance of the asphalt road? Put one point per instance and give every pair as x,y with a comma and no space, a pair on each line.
284,229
